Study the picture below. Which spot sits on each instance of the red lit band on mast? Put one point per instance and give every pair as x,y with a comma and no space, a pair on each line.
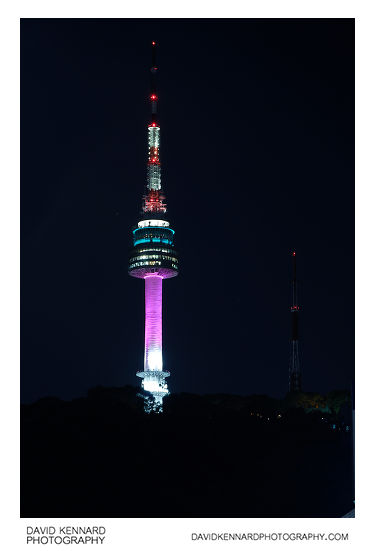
153,201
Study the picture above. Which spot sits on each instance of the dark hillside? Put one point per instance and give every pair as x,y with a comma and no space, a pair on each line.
214,455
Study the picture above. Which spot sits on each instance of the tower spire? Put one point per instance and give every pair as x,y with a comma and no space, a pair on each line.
295,367
153,200
153,89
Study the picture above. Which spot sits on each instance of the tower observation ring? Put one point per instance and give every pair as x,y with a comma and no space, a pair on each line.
153,252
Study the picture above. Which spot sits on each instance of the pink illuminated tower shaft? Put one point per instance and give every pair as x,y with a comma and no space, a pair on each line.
153,323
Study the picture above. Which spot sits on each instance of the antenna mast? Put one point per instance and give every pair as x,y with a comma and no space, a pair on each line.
295,367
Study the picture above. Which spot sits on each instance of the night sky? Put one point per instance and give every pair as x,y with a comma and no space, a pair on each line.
257,150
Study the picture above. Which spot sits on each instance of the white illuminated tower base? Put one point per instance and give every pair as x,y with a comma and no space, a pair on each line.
153,375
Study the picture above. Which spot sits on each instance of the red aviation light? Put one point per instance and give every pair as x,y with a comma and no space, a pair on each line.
153,125
294,253
153,43
153,97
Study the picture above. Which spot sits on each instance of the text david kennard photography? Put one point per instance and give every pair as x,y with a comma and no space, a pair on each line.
65,534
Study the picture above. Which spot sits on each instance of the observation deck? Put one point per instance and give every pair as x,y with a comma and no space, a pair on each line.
153,250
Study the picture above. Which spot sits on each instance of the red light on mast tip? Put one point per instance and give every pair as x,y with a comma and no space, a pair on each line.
294,253
154,43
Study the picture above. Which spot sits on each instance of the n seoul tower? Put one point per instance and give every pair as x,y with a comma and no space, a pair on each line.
153,257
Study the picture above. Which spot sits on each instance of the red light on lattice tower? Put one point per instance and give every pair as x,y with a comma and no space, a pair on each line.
153,43
294,253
